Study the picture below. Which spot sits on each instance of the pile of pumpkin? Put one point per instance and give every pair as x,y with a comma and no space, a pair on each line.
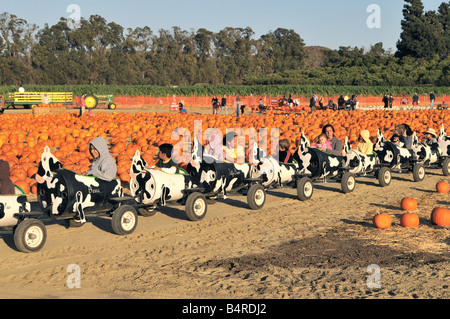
24,136
440,216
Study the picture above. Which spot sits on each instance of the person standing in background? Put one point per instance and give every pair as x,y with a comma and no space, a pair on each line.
223,103
391,100
82,104
237,106
214,103
432,99
46,99
415,99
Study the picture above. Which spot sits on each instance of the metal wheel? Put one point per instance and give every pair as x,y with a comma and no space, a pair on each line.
256,196
348,182
124,220
305,188
30,235
384,176
196,206
148,211
90,101
418,173
446,166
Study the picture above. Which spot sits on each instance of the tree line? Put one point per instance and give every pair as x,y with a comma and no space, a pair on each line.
99,52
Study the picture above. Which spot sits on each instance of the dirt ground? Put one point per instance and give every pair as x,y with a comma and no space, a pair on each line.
323,248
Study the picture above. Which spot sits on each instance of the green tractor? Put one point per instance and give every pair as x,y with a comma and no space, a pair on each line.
92,101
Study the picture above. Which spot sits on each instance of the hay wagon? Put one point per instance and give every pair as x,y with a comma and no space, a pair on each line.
29,99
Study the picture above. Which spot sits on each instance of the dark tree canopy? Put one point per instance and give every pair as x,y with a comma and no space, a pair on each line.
99,52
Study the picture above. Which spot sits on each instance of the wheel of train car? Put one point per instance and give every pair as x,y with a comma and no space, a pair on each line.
348,182
384,176
211,200
305,188
196,206
124,220
73,223
30,236
446,166
147,211
256,196
418,172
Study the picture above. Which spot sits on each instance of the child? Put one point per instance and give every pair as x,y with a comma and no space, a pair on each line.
430,137
284,154
232,151
215,147
6,185
165,160
322,143
104,166
396,140
365,145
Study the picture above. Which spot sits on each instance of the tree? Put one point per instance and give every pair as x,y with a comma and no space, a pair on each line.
444,21
422,32
283,48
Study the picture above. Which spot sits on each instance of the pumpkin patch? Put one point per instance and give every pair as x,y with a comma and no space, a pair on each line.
24,136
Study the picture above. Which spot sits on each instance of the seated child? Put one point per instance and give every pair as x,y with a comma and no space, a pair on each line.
165,160
215,147
284,154
430,137
365,145
322,143
396,140
6,185
233,152
104,166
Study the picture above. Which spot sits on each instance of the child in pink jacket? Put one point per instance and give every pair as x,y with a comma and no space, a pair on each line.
322,143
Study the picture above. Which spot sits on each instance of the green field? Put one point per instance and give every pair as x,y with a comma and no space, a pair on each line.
243,90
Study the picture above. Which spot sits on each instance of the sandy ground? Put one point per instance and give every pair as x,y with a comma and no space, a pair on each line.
289,249
320,248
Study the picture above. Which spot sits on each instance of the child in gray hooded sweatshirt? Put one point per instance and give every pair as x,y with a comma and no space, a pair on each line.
104,166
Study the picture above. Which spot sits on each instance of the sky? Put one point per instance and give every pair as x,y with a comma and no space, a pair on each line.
328,23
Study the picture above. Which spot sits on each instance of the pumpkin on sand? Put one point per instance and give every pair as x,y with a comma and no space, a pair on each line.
410,220
442,187
408,204
440,216
382,221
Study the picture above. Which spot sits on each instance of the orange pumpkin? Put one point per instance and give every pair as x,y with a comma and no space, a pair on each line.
31,172
125,177
440,216
382,221
410,220
408,204
23,184
19,172
442,187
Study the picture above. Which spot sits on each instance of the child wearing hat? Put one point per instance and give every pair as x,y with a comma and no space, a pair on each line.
430,137
365,145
